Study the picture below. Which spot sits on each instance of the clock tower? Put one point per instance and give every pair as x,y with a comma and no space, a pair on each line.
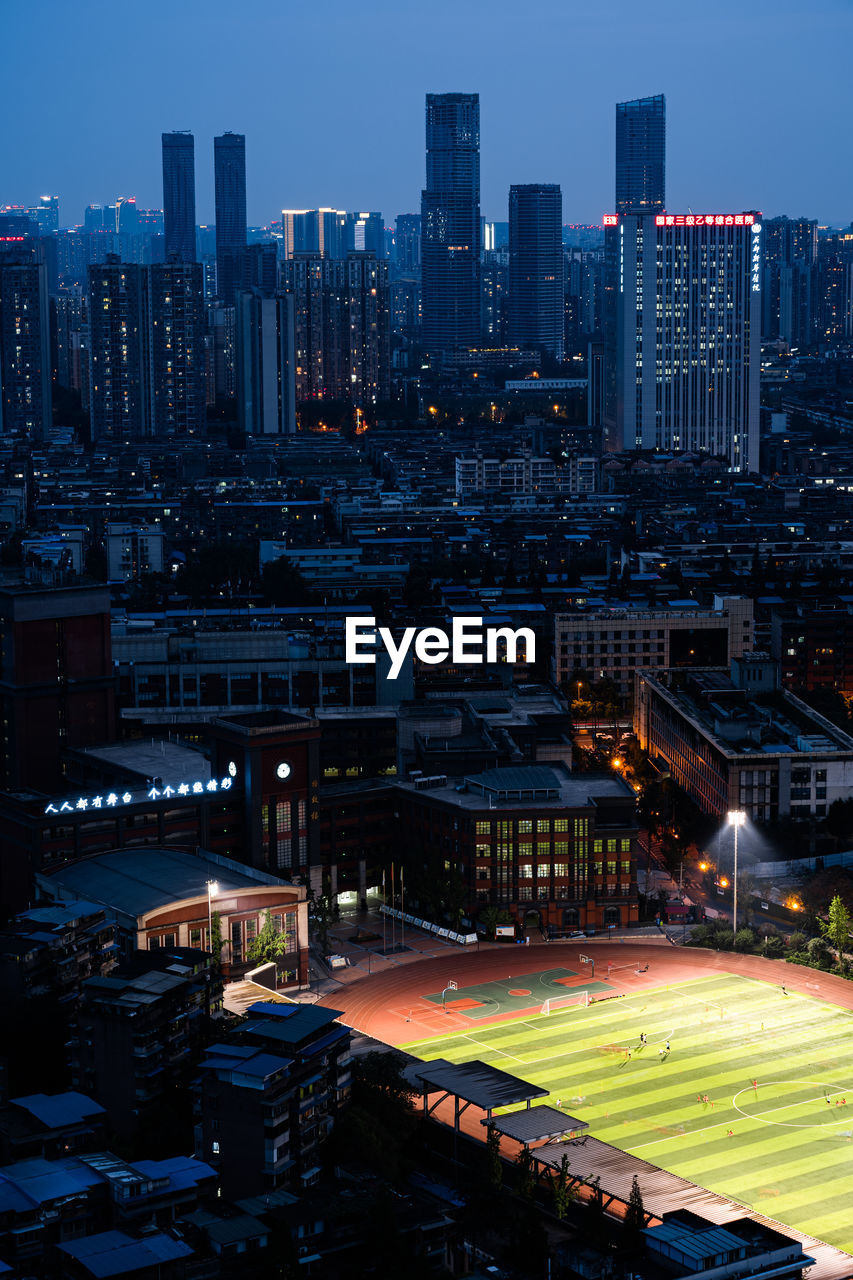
274,756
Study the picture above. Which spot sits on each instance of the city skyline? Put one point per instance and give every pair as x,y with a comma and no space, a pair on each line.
747,145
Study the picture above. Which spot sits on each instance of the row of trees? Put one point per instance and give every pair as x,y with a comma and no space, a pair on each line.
827,950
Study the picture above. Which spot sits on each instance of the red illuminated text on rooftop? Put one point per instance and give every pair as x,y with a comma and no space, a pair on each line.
692,219
704,219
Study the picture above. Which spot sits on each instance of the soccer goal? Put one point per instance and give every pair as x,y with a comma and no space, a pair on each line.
565,1002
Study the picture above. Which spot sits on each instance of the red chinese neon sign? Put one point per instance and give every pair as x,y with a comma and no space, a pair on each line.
704,219
693,219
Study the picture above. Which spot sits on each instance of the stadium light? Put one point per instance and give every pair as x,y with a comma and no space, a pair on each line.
736,818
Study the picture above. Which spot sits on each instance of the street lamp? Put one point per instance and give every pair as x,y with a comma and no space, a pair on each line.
212,890
736,818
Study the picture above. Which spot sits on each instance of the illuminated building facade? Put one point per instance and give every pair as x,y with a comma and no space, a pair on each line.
175,332
553,848
25,386
116,351
683,338
342,327
450,222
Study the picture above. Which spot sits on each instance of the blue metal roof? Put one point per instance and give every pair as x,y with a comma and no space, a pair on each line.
112,1253
57,1110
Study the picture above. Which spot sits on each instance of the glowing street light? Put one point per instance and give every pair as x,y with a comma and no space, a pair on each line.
736,818
212,890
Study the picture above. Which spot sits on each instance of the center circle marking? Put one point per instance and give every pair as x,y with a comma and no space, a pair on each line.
831,1090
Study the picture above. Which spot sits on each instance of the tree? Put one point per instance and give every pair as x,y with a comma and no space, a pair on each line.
322,912
560,1188
819,953
526,1176
774,947
491,916
635,1215
595,1210
493,1157
797,942
268,945
216,937
744,940
836,929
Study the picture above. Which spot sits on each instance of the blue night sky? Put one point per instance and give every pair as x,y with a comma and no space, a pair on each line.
331,99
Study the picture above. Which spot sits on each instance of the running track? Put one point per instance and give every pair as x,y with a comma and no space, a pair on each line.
379,1005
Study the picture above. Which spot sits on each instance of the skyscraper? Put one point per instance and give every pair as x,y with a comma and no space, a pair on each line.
46,213
179,196
450,222
407,242
174,319
685,356
315,231
788,291
365,233
229,164
116,345
266,383
536,268
342,326
25,384
641,155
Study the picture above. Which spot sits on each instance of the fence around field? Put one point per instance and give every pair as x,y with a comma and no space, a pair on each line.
464,939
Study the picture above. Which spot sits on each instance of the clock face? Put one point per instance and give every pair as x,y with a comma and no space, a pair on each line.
232,769
282,770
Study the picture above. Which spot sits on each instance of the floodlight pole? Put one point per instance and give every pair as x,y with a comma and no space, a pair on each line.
734,887
737,818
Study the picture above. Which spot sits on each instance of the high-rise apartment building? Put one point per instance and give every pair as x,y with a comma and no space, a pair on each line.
147,354
126,216
116,351
260,267
788,293
683,343
450,222
57,679
69,318
175,325
365,233
321,232
46,214
407,242
25,367
229,163
641,155
494,290
179,196
536,268
266,380
835,287
342,326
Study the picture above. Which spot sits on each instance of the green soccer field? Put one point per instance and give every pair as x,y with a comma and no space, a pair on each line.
783,1148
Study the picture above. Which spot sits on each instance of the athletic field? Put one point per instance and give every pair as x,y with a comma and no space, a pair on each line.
783,1146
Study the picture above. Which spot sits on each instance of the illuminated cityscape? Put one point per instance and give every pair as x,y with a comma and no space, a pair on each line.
426,643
